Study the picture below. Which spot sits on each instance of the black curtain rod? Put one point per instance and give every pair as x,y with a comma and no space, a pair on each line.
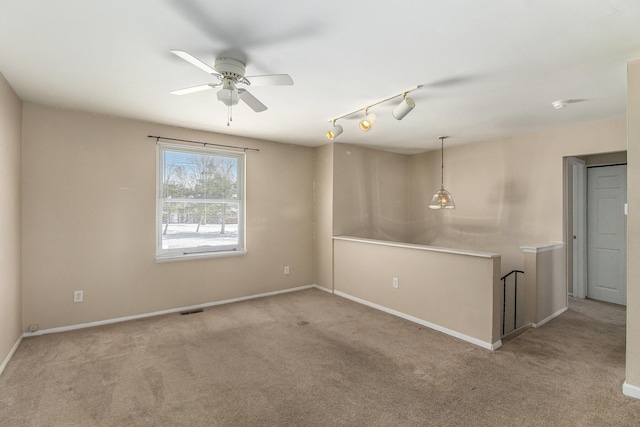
158,138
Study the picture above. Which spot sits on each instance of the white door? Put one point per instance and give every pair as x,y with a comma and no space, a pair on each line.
606,235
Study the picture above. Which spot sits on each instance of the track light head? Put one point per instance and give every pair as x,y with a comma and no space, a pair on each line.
403,108
334,132
368,120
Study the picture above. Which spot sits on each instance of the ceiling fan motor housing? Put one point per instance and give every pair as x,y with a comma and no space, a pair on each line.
230,67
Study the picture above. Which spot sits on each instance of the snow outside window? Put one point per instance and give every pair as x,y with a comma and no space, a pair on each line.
200,202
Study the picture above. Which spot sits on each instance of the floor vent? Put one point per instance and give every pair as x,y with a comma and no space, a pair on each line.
184,313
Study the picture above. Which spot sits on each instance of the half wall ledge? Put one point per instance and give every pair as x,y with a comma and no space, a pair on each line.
542,247
419,247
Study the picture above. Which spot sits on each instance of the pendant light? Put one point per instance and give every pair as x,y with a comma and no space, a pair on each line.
442,199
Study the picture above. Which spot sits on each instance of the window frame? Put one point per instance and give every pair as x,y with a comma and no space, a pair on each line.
179,254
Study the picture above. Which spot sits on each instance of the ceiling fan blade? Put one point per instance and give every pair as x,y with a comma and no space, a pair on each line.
251,101
193,89
195,61
270,80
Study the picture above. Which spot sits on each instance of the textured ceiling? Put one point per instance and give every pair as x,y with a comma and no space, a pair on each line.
489,69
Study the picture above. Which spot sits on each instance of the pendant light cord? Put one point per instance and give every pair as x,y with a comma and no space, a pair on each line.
442,158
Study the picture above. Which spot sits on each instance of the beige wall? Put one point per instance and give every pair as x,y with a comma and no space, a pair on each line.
508,192
460,293
323,213
551,277
370,193
10,293
633,228
545,278
89,221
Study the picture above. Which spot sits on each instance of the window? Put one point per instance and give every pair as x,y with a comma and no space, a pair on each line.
200,202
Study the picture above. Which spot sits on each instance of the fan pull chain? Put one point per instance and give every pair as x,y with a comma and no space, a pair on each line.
229,117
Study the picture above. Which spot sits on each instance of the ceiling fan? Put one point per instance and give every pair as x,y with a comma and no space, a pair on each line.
230,73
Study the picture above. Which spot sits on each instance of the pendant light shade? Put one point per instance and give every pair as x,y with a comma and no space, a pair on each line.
442,198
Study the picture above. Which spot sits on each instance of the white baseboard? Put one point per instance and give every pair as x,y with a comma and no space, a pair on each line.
13,350
158,313
467,338
322,288
631,390
553,316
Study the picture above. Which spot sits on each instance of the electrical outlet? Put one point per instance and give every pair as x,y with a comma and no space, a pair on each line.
396,282
34,327
286,269
78,296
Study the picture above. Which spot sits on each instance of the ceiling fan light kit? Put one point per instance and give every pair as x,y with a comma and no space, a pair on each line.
228,95
399,112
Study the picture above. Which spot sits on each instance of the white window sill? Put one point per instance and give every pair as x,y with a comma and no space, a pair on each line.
204,255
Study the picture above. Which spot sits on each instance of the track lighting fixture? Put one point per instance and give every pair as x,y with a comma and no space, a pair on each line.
399,112
403,108
368,120
442,198
335,131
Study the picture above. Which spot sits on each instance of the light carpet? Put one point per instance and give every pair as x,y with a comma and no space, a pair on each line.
309,358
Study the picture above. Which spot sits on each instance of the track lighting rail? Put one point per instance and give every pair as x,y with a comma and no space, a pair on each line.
403,94
399,112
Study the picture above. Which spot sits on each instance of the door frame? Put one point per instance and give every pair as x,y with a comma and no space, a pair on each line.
576,185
